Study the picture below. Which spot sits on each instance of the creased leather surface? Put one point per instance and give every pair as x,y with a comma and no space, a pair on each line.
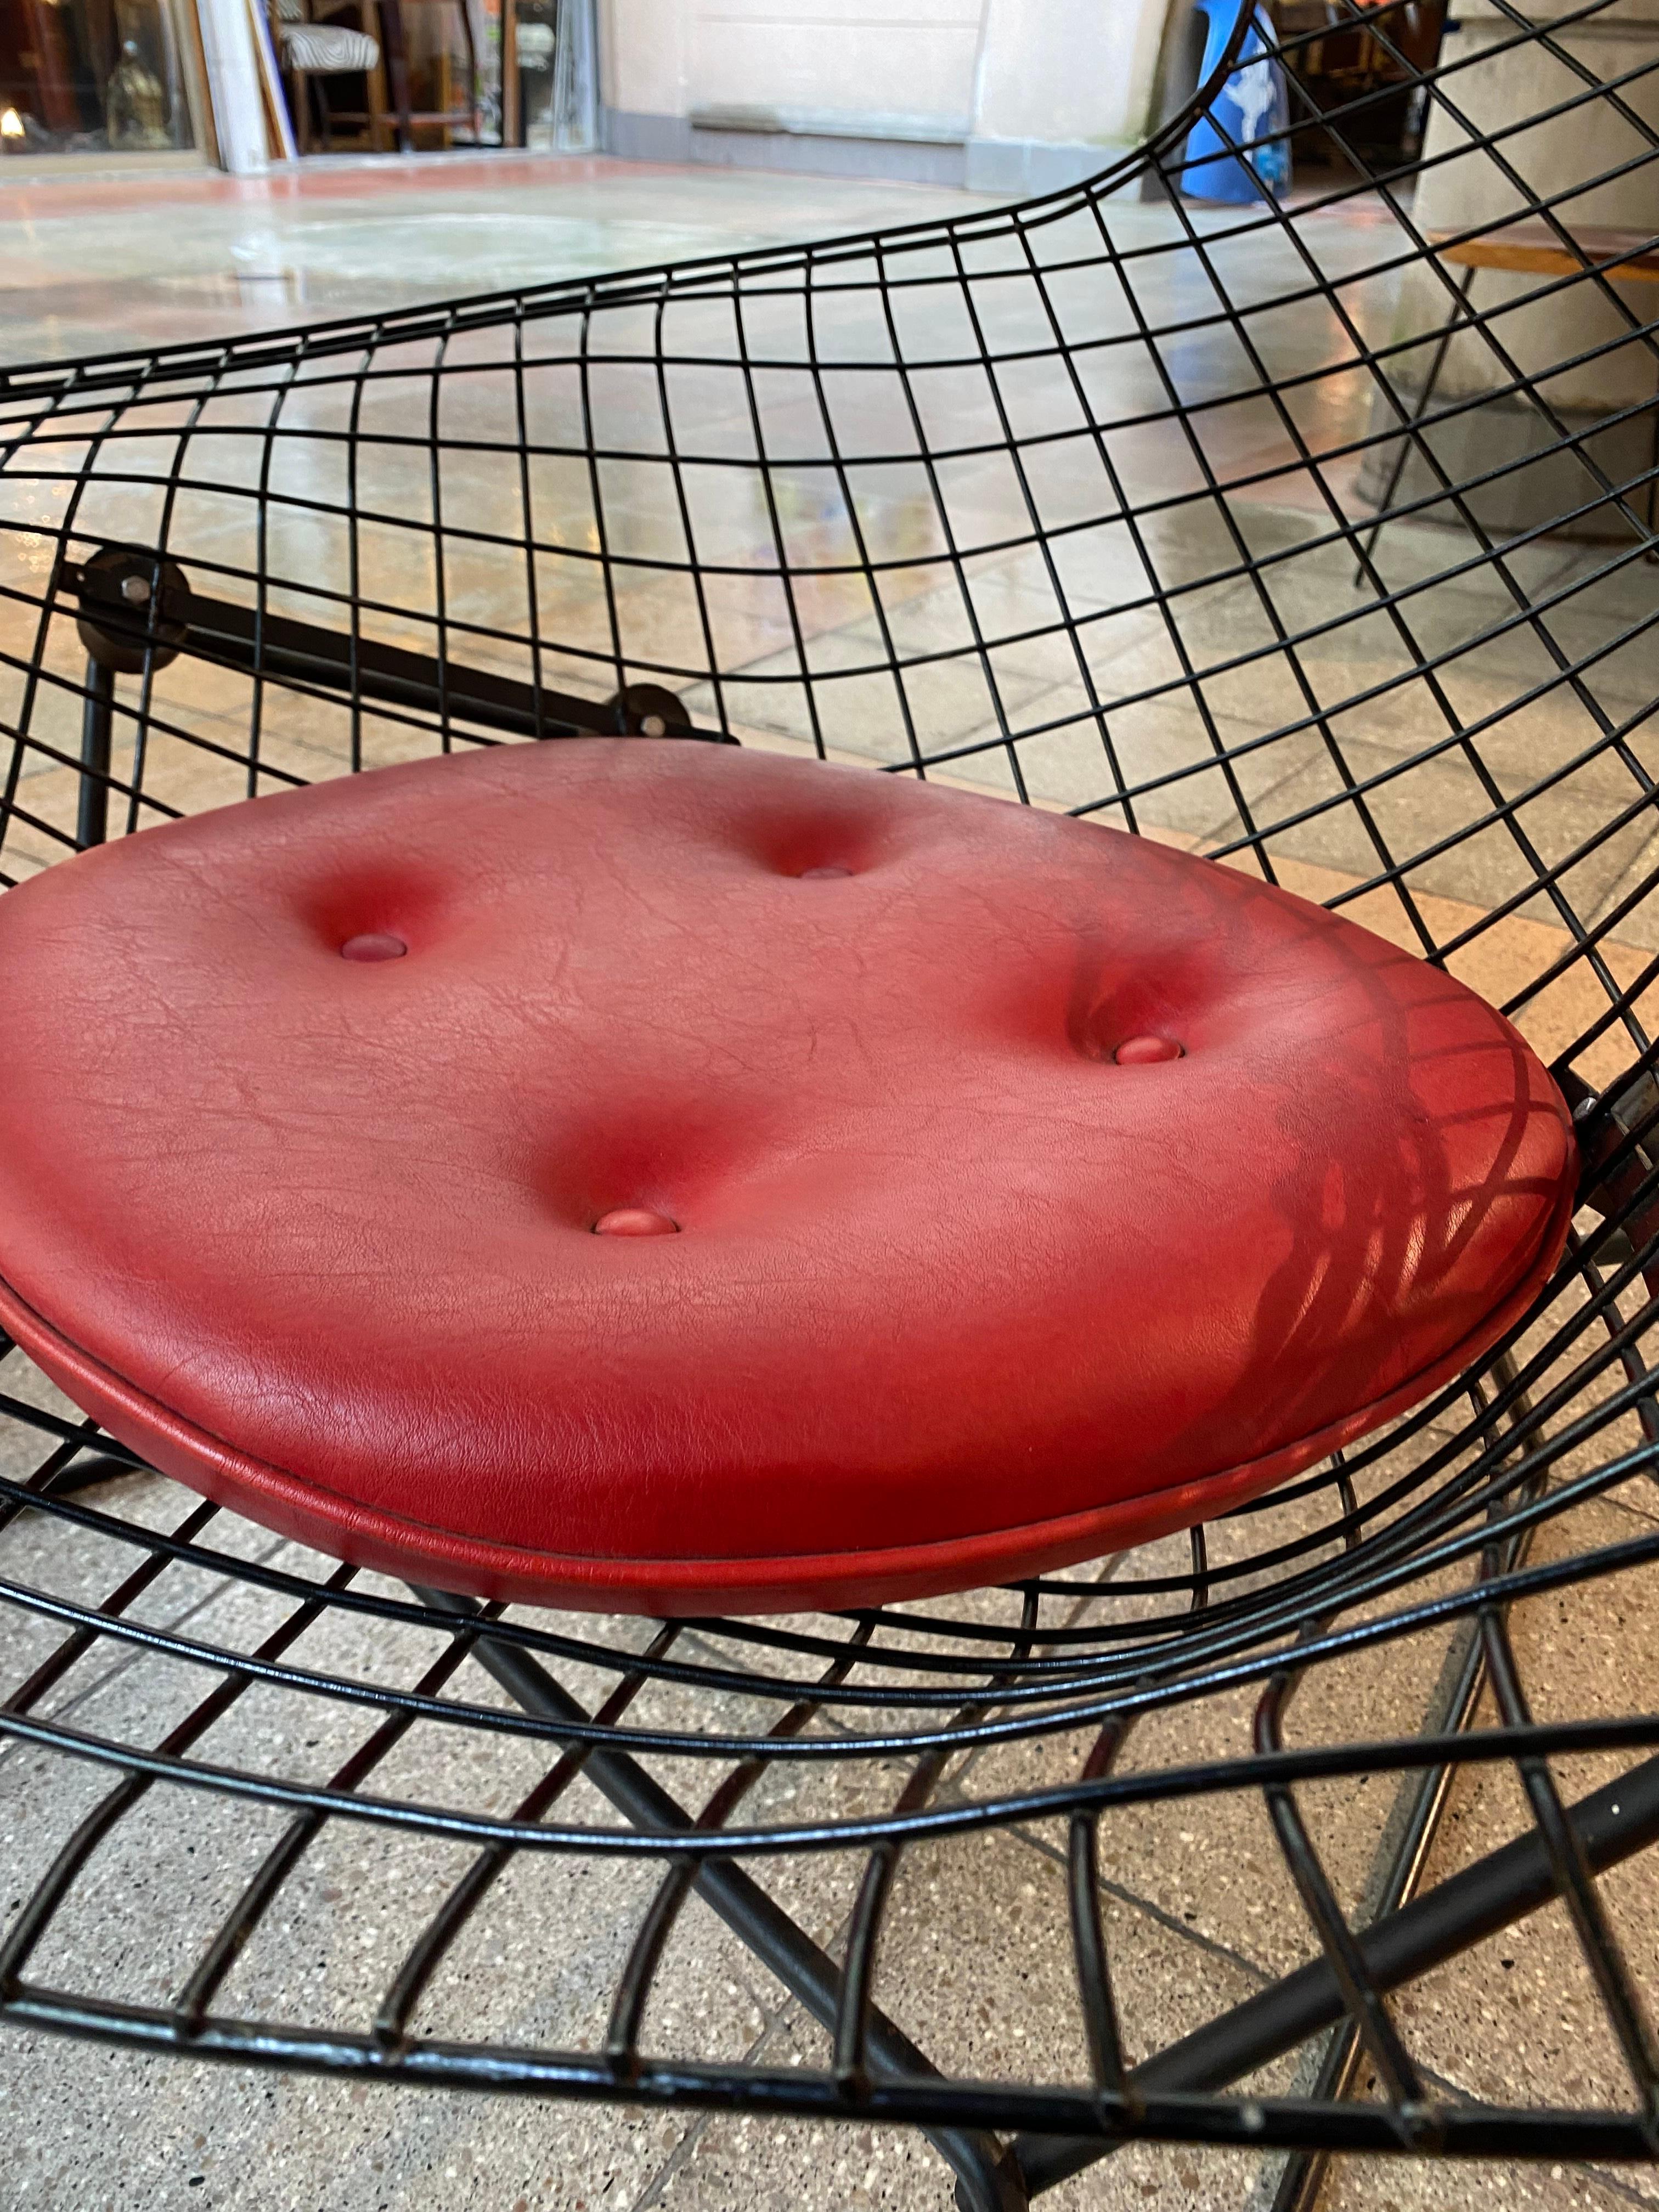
954,1296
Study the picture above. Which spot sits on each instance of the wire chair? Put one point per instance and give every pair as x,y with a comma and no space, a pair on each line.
1263,528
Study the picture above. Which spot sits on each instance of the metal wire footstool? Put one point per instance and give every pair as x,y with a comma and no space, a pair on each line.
1071,502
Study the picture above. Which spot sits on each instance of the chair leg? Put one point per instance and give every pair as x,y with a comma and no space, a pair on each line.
512,129
1425,400
397,70
97,734
378,128
474,120
300,107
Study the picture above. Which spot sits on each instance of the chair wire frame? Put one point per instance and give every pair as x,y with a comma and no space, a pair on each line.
1187,518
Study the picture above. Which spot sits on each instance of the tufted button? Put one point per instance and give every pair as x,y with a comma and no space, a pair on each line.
375,945
1143,1051
821,875
635,1221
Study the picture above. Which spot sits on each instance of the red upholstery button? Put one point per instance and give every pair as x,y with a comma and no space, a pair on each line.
635,1221
324,1252
1142,1051
821,875
375,944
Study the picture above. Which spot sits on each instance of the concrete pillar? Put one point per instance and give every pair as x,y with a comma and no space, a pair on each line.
1471,191
1075,75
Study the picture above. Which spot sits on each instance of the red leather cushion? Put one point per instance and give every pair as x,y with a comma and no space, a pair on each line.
945,1285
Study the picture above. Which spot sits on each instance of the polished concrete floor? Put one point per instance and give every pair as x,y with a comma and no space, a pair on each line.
86,266
822,549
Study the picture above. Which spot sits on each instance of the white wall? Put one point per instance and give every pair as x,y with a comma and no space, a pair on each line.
1071,71
1031,72
644,47
840,59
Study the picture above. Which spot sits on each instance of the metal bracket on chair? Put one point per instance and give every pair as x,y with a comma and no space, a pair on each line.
138,609
135,610
1624,1118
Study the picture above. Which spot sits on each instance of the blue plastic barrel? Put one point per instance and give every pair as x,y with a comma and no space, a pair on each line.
1250,105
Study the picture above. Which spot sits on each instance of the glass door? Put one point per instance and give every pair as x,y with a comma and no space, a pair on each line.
114,77
549,75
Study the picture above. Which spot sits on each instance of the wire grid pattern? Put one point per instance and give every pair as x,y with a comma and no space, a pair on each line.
1077,502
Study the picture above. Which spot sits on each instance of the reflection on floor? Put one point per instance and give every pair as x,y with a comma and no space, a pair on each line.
881,590
86,265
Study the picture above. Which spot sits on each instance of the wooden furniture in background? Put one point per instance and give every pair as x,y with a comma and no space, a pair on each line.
309,51
443,116
1532,248
35,76
1630,256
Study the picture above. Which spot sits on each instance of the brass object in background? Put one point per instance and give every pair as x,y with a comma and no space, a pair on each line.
135,103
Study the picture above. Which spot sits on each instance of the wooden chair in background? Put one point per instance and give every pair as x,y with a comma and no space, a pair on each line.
308,49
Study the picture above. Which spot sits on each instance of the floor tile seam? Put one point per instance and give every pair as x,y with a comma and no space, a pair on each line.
1622,884
776,2024
1074,615
657,2183
1412,871
989,736
951,1782
1405,681
1475,720
1223,825
1261,1976
1456,2093
1619,1505
202,754
1597,773
1625,2192
136,1654
1177,694
1013,697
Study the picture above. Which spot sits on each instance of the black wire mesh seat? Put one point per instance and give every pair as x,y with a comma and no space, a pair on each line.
1314,537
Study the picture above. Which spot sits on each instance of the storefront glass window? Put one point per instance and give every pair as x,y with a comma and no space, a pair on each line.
93,76
552,63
